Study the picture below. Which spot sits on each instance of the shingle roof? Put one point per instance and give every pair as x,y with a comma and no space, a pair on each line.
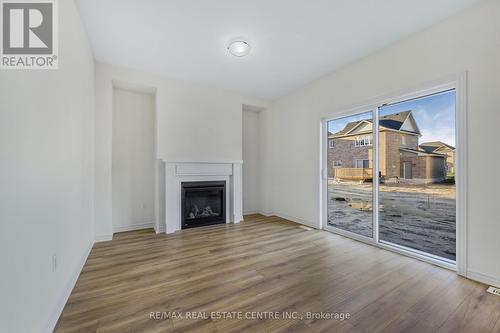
348,127
399,117
395,120
421,151
391,121
434,145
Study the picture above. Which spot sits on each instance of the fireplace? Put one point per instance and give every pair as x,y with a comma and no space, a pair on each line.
179,174
203,203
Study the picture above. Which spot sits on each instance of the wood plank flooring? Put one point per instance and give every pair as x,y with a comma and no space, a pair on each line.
267,264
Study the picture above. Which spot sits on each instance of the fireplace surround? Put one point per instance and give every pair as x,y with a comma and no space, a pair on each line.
177,173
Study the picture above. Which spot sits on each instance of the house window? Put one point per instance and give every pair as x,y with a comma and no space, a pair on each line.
362,164
403,140
337,163
331,143
363,141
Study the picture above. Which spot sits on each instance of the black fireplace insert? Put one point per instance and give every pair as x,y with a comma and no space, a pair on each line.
203,203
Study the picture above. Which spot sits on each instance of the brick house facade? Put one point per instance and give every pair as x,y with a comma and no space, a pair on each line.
441,148
399,152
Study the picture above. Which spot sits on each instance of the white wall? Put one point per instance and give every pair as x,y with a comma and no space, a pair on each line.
251,162
133,160
466,42
194,123
46,179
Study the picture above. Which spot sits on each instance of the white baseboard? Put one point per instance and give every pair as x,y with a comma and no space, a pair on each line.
161,229
258,212
296,220
132,227
103,238
252,212
63,298
286,217
237,219
486,279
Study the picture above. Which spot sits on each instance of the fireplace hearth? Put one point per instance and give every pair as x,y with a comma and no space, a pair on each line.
203,203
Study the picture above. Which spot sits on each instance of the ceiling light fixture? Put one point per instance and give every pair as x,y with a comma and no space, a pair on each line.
239,48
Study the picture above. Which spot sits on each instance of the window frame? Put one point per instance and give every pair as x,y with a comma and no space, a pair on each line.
362,163
458,82
363,141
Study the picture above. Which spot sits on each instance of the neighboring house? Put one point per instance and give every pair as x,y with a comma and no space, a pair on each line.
350,151
441,148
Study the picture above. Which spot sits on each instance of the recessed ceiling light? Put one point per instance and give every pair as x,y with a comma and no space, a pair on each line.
239,48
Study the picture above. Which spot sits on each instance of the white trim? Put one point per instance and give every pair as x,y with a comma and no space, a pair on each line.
63,298
212,169
131,227
204,161
159,194
236,193
160,229
456,82
483,278
251,212
267,214
323,174
176,173
103,238
297,220
294,219
286,217
375,176
460,169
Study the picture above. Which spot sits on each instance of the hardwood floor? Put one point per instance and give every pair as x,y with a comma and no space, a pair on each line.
268,264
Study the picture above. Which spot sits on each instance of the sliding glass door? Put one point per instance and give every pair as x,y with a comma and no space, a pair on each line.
350,170
417,166
415,185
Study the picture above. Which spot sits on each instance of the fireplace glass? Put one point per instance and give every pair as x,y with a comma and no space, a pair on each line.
203,203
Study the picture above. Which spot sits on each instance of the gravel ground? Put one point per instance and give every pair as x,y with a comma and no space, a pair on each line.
417,216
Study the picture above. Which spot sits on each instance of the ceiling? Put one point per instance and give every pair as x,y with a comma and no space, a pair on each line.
293,41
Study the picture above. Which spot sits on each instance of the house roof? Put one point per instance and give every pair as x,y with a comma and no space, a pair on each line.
434,145
350,126
394,121
421,152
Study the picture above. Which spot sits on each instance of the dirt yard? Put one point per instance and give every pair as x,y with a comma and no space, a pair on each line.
422,217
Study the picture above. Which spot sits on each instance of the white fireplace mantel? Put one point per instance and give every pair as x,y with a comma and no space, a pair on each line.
178,172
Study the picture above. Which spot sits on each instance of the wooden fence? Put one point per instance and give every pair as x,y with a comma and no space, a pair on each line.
353,173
